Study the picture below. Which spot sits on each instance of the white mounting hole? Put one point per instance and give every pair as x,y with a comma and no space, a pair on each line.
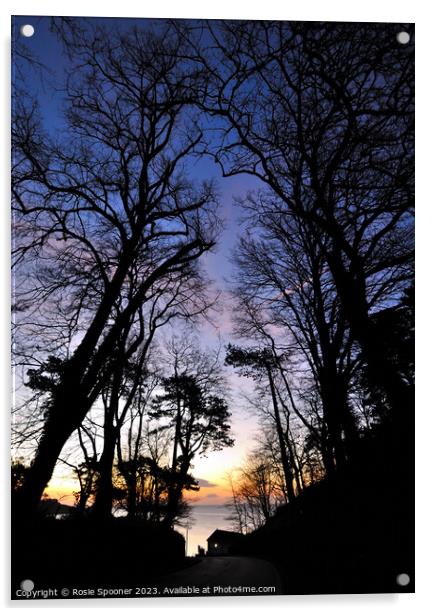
403,38
27,30
27,585
403,579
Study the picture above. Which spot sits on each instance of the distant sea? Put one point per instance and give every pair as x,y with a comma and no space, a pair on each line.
204,520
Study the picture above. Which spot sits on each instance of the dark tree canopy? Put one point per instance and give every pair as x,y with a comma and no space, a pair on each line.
203,418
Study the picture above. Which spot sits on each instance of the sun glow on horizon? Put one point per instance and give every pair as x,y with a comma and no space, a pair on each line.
211,471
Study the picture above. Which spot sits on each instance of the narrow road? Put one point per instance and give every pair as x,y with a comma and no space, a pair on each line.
227,571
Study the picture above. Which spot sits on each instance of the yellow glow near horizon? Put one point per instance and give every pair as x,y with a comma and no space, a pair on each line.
212,469
216,494
62,489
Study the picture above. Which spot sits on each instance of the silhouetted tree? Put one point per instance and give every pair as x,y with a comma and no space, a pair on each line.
255,491
322,114
142,450
395,328
286,298
85,471
104,203
199,423
193,408
257,363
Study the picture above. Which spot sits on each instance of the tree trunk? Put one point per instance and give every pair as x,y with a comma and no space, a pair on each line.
175,494
64,417
287,471
327,455
173,488
336,412
84,496
296,472
131,496
104,488
330,415
156,504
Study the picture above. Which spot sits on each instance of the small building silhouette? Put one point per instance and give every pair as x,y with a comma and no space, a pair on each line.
52,508
223,542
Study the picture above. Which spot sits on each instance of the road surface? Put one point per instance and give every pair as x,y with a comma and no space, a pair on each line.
227,571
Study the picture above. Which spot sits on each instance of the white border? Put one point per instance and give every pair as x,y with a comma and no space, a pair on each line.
338,10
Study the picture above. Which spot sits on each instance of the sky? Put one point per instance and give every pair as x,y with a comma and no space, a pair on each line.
212,469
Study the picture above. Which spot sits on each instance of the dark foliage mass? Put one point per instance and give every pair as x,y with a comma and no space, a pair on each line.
116,553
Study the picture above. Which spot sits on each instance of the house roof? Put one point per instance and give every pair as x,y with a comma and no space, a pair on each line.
51,506
221,535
